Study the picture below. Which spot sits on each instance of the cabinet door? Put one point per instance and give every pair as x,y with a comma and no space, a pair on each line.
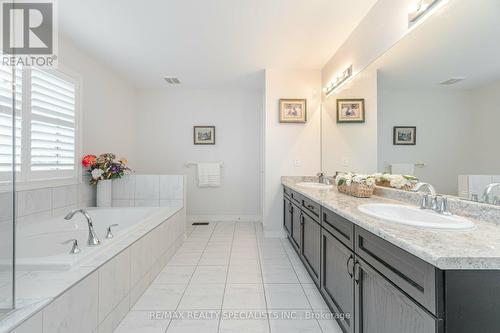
382,308
311,237
287,215
337,283
296,218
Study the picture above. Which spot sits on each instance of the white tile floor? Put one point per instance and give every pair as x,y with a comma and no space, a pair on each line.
228,278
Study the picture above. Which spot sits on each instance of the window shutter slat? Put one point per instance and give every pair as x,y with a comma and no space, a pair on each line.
53,108
6,114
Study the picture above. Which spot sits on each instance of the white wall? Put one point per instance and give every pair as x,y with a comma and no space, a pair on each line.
351,147
165,139
108,104
442,118
289,149
485,109
384,25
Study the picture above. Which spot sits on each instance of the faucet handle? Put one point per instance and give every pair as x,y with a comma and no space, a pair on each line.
109,234
444,206
74,249
424,204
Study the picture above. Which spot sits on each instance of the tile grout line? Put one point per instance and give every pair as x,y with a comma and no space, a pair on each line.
189,281
262,278
301,284
225,283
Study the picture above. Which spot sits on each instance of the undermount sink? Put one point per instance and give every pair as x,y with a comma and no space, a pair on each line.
315,185
415,217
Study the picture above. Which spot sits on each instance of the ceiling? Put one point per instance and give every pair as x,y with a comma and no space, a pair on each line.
462,40
209,43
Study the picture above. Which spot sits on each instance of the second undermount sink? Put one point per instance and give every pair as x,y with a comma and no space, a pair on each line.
415,217
319,186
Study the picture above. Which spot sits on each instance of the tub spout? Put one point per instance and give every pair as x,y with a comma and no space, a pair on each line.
93,239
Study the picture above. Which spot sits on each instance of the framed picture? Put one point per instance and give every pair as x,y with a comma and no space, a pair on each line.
405,136
204,135
350,111
293,110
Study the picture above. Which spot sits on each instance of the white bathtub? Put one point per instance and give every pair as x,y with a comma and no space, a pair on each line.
39,245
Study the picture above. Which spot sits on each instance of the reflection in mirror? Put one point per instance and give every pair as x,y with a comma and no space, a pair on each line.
432,106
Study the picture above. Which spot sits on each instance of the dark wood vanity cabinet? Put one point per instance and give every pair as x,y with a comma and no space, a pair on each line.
310,249
374,286
382,308
337,279
287,215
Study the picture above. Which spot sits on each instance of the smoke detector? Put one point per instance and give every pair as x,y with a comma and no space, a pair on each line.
172,80
452,80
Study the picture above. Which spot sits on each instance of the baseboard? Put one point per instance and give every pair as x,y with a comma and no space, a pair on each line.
223,218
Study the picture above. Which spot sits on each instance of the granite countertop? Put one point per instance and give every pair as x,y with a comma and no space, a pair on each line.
477,248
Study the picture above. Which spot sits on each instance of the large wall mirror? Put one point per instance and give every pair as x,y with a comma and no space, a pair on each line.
432,106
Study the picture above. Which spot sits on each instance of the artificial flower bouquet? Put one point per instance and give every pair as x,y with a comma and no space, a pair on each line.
360,186
400,182
105,167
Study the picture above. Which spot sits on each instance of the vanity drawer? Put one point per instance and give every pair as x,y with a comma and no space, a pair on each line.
311,207
297,198
338,226
286,192
418,279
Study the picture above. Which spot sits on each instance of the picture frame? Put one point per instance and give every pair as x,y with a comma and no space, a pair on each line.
404,135
351,110
204,135
293,110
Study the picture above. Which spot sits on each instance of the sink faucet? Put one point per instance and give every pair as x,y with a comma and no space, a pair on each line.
487,192
323,179
429,201
93,239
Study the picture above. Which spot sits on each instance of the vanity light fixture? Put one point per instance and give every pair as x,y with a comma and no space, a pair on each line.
338,81
172,80
423,8
452,80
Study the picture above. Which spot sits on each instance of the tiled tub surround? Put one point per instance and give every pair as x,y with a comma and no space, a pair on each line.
95,296
148,191
471,249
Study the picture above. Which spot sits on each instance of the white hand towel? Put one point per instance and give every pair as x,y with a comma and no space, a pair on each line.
209,174
405,169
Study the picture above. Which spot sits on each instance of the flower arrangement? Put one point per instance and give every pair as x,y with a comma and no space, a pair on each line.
104,167
401,182
361,186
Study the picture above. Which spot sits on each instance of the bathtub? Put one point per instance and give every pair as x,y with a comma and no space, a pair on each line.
39,245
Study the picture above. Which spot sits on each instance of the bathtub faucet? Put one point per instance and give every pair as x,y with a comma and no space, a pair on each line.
93,239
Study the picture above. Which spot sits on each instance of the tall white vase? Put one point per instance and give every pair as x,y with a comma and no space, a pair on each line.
104,193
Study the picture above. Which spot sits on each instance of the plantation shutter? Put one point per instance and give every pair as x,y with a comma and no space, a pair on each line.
6,121
53,119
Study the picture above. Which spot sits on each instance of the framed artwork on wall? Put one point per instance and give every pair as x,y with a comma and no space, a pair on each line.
293,110
204,135
350,110
405,135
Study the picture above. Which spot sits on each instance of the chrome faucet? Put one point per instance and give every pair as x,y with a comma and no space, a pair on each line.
429,200
93,239
487,198
323,179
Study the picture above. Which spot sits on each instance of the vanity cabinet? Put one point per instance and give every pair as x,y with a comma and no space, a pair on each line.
310,249
373,286
382,308
287,214
337,279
